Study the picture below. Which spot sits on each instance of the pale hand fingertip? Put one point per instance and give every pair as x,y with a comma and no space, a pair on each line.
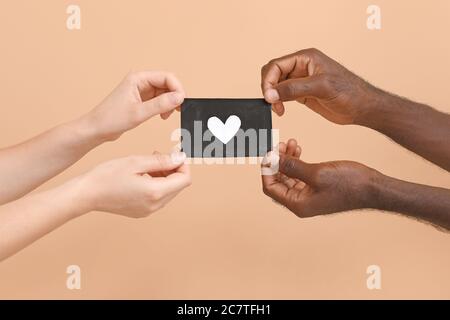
178,157
271,95
177,98
270,163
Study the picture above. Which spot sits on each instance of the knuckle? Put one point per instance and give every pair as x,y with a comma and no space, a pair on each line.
327,80
160,102
151,193
290,89
312,51
157,195
171,78
328,83
266,191
165,101
154,194
324,176
132,76
171,75
324,82
263,72
272,62
288,166
309,52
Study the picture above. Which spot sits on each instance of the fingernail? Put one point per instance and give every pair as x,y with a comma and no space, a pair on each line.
177,98
271,158
272,95
178,157
270,164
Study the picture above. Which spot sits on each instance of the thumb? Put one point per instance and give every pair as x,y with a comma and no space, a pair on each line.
296,168
160,162
163,103
294,89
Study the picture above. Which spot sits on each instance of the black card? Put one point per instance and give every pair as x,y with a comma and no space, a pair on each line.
221,128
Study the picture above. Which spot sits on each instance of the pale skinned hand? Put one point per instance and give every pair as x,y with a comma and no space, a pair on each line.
136,186
317,81
140,96
133,187
315,189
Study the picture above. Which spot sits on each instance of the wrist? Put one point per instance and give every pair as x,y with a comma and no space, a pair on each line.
87,127
382,191
372,107
73,197
374,189
88,191
83,194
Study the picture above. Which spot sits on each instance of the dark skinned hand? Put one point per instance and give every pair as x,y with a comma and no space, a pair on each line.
317,81
315,189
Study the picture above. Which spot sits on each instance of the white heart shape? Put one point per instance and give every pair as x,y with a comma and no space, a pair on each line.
224,131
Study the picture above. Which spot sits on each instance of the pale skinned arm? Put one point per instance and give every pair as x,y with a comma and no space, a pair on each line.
138,97
134,187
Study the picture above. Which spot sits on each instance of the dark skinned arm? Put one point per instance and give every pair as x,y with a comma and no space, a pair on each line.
322,188
417,127
329,89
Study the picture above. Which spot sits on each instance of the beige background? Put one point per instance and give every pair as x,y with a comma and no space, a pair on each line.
222,238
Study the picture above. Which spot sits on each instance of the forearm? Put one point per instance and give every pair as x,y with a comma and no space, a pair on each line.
26,166
24,221
417,127
431,204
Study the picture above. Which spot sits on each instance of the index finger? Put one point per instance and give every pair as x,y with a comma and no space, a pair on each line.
146,80
274,189
280,69
173,182
269,175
